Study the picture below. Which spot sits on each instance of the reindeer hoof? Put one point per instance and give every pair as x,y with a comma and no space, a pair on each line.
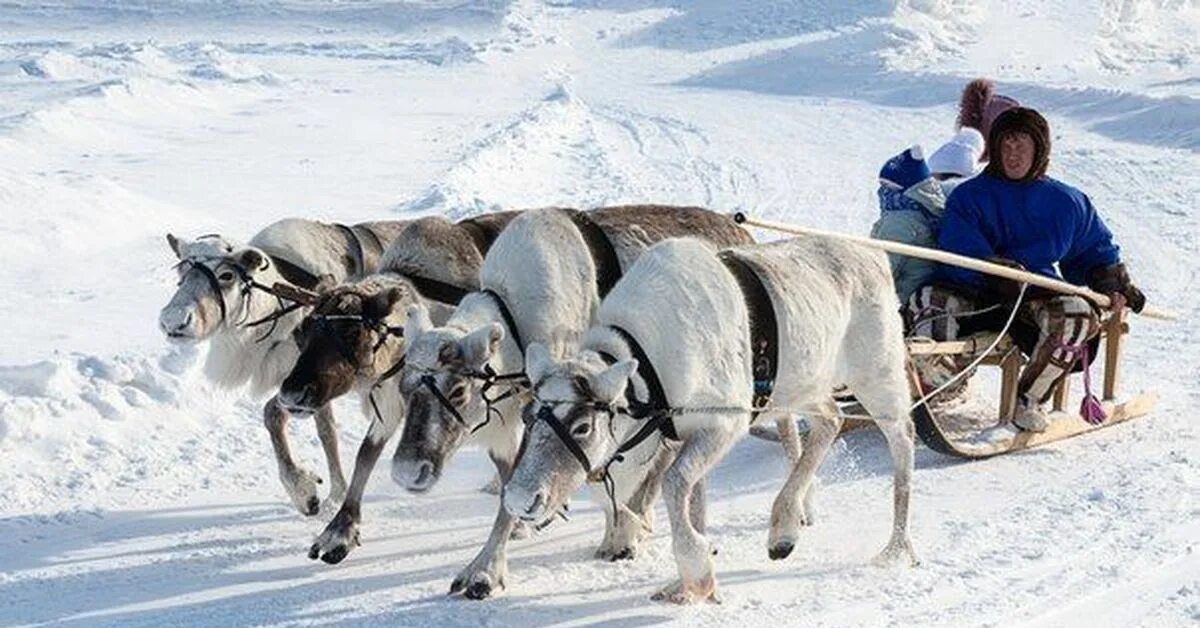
622,554
335,555
335,543
781,550
478,591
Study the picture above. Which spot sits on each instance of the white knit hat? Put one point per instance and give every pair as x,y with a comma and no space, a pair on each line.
960,155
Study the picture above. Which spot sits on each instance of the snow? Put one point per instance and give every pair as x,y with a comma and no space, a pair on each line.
137,494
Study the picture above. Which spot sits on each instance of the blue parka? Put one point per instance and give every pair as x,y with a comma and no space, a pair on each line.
1040,224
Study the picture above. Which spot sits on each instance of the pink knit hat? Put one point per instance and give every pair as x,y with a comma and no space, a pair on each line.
980,105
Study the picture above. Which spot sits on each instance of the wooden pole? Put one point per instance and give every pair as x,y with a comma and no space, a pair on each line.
946,257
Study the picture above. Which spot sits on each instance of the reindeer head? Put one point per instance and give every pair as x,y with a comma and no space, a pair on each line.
213,275
442,387
581,394
351,334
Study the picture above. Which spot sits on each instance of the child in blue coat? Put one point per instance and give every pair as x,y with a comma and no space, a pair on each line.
910,208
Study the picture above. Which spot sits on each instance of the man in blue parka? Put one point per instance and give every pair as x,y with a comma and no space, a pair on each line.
1014,214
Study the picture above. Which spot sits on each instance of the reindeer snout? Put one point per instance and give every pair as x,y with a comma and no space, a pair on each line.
415,475
176,324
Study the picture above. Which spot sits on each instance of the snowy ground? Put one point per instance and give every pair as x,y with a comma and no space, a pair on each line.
135,494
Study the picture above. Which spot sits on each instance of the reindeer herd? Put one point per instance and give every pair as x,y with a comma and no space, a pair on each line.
629,347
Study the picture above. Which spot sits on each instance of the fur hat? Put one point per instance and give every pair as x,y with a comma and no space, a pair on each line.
980,105
960,155
1020,120
906,169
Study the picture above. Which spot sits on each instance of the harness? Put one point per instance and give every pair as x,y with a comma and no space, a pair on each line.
248,286
482,234
764,329
657,410
608,272
357,252
439,291
604,255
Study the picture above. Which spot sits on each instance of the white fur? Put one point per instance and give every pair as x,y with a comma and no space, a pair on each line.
838,322
262,356
542,267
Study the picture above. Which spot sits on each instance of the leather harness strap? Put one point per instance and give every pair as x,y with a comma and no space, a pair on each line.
439,291
482,234
357,255
764,343
507,316
656,402
764,328
294,274
604,255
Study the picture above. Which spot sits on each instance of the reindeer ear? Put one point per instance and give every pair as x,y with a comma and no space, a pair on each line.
610,383
252,260
418,321
537,361
480,345
176,245
380,305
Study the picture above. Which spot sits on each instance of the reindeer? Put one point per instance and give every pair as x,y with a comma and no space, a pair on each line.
542,282
672,354
352,340
225,296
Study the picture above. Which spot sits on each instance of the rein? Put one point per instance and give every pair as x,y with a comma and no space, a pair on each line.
248,286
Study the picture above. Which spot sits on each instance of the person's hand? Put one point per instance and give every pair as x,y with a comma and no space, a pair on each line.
1115,279
1117,301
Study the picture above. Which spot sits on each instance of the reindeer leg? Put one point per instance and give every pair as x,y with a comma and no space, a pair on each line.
624,533
328,433
486,574
300,484
693,553
341,535
899,435
887,400
788,513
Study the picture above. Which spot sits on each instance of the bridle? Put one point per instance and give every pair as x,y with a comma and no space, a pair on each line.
656,411
516,381
247,288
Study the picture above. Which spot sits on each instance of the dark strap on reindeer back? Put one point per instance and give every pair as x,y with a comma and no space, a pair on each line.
483,233
764,328
509,321
357,255
439,291
604,255
293,274
656,404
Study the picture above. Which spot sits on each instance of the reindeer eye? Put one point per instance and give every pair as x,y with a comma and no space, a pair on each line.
458,392
226,276
581,430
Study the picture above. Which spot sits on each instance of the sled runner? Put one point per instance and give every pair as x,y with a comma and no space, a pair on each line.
962,436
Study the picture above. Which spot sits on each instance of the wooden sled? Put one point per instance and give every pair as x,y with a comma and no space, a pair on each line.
1004,437
978,442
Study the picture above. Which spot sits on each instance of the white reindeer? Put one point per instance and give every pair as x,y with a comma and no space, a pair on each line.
223,291
540,285
837,322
